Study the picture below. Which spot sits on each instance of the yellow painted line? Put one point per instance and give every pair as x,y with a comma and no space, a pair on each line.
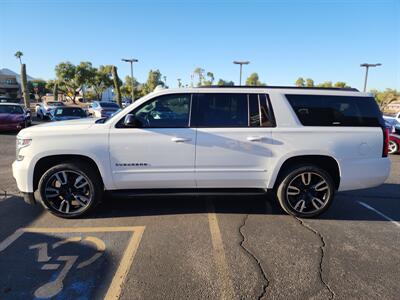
115,288
226,287
114,291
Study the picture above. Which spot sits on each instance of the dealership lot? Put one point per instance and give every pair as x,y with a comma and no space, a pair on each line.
201,247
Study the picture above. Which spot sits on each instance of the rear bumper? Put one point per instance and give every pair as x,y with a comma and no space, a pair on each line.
363,173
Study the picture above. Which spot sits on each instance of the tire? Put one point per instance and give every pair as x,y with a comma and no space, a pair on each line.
303,195
70,190
393,147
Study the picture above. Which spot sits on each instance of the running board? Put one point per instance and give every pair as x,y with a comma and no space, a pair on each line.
188,192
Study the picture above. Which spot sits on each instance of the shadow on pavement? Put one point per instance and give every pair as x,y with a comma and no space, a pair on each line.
344,207
43,265
15,214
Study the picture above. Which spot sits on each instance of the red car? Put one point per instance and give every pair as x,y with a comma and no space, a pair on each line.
12,117
394,143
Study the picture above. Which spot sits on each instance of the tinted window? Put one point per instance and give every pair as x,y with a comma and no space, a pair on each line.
55,104
70,111
109,105
11,109
254,111
169,111
320,110
220,110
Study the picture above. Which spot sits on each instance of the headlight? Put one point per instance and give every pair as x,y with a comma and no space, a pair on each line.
21,143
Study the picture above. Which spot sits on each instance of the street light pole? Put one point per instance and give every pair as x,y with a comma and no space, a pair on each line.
131,61
367,66
241,63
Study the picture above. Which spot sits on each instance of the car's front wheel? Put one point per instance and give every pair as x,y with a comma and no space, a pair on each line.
70,190
305,191
393,147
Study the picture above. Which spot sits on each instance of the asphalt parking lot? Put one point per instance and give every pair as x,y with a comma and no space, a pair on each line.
201,247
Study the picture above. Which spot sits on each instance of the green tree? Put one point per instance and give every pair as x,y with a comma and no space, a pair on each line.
179,83
101,80
126,88
225,82
384,98
210,80
341,84
38,87
253,80
18,55
326,84
67,80
309,82
300,82
199,72
153,80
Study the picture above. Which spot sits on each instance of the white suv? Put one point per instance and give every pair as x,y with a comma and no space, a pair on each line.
301,144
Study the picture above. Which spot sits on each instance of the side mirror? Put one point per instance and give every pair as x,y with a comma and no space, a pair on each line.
131,121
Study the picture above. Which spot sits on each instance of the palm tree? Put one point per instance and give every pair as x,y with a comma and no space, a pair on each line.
18,55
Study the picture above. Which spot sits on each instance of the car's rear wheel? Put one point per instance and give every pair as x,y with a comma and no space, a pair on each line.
70,190
393,147
305,191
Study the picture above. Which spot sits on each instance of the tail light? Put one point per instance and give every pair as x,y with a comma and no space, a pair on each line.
385,151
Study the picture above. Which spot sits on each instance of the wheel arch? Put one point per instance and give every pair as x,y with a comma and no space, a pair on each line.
46,162
325,162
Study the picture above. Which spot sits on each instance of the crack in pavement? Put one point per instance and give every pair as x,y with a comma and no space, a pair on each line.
322,248
252,255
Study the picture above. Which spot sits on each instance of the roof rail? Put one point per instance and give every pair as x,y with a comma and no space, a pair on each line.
280,87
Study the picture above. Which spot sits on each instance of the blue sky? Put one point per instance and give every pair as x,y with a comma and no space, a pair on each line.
323,40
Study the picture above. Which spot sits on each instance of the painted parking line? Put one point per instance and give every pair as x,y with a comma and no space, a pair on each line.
226,287
45,259
379,213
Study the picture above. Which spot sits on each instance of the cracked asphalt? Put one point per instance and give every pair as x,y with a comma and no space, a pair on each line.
350,252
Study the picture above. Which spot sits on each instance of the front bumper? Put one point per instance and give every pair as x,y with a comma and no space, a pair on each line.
12,126
22,176
29,198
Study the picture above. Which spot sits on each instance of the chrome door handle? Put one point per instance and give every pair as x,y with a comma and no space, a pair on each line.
254,138
180,140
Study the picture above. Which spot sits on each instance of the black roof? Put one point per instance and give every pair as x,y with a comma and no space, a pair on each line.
280,87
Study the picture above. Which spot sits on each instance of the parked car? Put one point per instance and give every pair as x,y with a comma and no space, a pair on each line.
394,144
103,109
43,109
64,113
126,103
396,116
299,144
393,125
13,117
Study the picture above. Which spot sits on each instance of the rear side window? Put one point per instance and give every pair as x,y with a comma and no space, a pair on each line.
260,112
220,110
321,110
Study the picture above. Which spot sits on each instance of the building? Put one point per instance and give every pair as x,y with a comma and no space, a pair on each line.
9,87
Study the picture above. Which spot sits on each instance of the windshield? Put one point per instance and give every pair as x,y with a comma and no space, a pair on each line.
11,109
55,104
70,111
109,104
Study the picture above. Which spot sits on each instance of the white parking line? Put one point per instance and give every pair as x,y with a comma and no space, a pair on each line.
379,213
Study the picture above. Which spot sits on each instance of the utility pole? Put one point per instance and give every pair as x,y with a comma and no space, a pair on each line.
131,61
367,66
241,63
